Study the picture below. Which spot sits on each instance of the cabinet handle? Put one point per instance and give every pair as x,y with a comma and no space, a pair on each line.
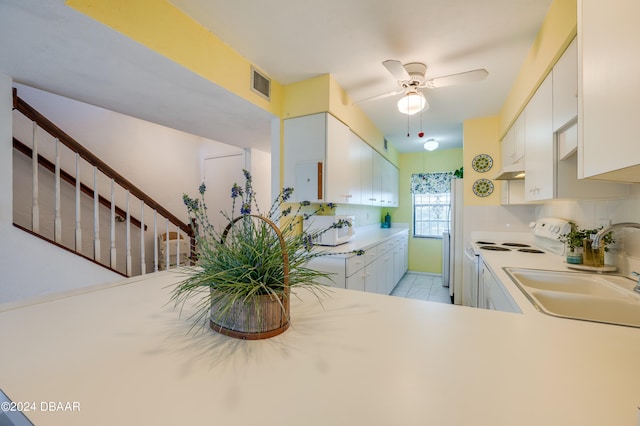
347,195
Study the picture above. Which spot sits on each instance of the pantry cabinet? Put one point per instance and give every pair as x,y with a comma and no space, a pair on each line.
609,89
324,161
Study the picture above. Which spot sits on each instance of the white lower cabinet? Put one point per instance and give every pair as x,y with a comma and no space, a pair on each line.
377,271
492,293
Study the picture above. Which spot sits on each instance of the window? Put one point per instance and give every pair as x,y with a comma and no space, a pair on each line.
431,194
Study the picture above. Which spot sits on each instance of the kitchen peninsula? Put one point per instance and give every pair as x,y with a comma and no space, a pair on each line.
123,353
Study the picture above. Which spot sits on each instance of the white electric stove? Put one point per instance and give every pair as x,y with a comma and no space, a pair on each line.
543,239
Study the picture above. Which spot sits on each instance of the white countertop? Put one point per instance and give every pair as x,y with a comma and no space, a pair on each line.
366,237
358,358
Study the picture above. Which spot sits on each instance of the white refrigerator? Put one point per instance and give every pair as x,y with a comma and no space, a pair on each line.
452,245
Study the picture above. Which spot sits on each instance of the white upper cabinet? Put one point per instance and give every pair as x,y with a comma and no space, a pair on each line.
366,174
609,89
513,147
324,161
539,146
304,156
565,87
343,164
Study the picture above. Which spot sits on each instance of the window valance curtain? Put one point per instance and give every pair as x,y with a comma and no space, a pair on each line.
431,183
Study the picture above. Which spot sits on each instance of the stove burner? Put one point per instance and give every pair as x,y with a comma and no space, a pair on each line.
525,250
485,242
515,245
494,248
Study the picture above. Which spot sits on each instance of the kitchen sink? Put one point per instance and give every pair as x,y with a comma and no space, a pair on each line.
579,295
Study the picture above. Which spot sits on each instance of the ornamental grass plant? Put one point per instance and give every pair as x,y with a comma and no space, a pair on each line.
246,260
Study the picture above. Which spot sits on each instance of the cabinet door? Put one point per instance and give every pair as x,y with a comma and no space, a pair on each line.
304,148
378,163
496,296
519,130
356,281
357,148
609,89
507,147
366,174
565,87
338,154
540,159
394,181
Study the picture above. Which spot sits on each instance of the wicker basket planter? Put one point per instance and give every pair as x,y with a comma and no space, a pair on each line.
259,317
243,277
256,317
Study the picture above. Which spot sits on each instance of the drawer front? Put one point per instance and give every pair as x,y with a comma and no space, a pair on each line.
383,248
354,264
371,254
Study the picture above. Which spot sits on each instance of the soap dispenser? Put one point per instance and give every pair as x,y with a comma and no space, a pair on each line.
387,221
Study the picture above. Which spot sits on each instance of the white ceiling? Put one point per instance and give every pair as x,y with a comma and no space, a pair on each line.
52,47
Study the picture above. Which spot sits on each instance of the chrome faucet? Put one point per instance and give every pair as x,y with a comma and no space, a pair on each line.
601,233
637,287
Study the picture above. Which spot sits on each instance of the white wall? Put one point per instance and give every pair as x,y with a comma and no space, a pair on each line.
29,265
163,162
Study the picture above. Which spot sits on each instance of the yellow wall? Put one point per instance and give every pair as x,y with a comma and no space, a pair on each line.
324,94
557,31
164,29
481,137
425,254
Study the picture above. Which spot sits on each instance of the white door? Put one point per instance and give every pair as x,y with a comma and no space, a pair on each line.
220,173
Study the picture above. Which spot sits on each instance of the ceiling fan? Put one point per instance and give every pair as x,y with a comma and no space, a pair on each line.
411,78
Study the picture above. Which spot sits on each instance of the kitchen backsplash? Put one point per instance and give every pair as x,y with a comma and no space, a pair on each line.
595,213
365,215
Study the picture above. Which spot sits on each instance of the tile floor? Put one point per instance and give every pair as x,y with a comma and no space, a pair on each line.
423,287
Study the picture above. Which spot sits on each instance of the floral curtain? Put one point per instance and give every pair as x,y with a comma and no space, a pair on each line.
431,183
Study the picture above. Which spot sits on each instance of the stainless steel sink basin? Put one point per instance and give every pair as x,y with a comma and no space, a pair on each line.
583,296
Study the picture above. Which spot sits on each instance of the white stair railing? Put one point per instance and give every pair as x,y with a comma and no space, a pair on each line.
73,187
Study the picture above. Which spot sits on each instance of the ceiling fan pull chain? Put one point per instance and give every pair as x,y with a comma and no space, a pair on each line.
408,134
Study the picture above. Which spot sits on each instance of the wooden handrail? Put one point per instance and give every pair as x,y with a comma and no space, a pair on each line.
90,158
70,179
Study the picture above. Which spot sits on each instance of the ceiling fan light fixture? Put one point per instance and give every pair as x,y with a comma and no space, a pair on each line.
412,103
431,145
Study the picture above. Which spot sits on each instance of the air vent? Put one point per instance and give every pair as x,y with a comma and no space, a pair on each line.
260,84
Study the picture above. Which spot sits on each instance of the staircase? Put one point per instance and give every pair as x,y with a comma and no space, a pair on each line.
67,196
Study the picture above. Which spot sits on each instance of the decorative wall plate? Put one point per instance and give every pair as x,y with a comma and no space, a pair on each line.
482,187
482,163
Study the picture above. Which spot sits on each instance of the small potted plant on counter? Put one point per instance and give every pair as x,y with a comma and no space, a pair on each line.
579,249
574,240
245,273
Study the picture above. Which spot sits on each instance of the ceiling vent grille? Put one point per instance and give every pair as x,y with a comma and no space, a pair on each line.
260,84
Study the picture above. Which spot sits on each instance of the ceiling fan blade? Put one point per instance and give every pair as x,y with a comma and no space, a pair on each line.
396,69
382,96
455,79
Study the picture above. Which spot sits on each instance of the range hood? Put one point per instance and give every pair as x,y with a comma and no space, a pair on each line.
511,172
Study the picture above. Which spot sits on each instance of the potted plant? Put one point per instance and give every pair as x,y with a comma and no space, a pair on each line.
574,241
579,249
245,274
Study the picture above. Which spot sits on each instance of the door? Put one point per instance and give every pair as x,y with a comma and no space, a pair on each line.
220,173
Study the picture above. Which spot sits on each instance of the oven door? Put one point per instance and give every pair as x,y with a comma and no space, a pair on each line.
470,281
